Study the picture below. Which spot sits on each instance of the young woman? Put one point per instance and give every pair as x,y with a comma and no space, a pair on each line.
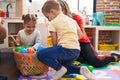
87,53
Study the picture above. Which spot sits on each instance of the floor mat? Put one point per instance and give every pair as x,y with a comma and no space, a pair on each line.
109,72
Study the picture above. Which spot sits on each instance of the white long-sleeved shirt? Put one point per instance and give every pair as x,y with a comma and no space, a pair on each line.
33,39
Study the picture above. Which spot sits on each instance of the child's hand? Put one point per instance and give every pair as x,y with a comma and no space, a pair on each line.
17,44
32,48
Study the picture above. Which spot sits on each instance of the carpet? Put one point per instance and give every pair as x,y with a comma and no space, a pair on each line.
109,72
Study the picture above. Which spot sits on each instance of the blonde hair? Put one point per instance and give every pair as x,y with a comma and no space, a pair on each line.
65,7
29,17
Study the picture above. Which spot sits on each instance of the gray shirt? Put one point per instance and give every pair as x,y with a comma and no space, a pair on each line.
33,39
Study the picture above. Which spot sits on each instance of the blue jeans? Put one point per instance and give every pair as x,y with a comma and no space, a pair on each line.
58,56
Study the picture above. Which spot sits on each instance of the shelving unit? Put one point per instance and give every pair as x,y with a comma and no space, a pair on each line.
94,32
114,35
12,27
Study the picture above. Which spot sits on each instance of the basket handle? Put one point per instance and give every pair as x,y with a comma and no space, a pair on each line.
14,39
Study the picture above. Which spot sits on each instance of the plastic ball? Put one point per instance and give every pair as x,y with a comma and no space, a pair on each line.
26,47
23,51
91,68
40,47
30,51
18,48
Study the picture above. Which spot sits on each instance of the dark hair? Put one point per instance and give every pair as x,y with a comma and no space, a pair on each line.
50,4
29,17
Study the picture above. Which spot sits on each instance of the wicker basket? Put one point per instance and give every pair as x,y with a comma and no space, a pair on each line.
28,64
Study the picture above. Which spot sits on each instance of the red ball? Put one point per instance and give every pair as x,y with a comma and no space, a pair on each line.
30,51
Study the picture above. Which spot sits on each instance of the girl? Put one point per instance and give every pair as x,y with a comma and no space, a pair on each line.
29,36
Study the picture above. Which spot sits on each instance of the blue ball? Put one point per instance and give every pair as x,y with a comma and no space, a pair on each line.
23,51
40,47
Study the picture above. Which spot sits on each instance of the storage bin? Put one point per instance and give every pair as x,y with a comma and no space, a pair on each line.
28,64
108,47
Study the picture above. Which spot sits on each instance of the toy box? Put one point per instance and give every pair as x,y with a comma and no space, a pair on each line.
28,64
108,47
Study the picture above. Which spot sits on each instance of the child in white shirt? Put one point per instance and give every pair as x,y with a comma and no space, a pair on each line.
29,36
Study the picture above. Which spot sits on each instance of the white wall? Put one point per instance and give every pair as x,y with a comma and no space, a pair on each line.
35,7
73,4
3,5
88,4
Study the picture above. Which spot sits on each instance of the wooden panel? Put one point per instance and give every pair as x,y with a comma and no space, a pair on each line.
19,8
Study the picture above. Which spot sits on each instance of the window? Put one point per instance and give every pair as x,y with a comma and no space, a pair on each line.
81,4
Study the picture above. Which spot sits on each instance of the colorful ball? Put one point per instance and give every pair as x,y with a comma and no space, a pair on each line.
18,48
91,68
23,51
26,47
40,47
30,51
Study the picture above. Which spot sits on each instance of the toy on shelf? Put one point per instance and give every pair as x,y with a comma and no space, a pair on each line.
112,18
98,19
108,46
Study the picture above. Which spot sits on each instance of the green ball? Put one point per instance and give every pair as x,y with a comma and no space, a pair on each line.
91,68
26,47
17,49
